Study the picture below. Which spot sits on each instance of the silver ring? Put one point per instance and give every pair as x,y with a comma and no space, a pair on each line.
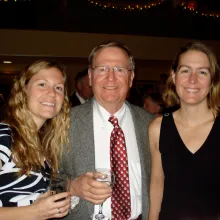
59,211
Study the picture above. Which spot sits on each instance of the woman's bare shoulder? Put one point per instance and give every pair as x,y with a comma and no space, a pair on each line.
154,133
156,123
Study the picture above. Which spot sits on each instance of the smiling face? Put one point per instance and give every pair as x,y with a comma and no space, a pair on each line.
193,78
45,94
110,89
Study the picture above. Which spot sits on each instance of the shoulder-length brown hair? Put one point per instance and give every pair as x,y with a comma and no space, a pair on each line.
30,145
170,95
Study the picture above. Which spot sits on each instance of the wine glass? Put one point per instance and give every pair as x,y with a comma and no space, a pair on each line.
107,176
61,182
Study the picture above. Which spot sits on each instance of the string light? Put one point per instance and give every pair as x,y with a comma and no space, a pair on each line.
15,0
192,7
125,6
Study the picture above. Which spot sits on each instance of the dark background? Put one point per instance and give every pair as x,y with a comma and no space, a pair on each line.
169,19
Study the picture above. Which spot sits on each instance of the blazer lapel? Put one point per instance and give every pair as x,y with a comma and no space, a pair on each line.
140,140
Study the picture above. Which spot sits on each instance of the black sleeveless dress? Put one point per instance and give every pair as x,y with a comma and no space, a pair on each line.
192,181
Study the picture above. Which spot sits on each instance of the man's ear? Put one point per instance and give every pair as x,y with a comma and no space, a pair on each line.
131,78
158,108
90,76
79,86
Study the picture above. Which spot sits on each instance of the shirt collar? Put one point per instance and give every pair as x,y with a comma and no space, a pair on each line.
82,100
105,115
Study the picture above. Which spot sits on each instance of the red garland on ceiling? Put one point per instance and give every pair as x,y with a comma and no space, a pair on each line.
125,6
193,7
190,5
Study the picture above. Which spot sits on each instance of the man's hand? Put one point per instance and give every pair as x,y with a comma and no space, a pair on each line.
88,188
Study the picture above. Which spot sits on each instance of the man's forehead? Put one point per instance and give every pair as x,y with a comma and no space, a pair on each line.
111,60
110,51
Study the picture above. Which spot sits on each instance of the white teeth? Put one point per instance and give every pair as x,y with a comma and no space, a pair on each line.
192,90
48,103
109,87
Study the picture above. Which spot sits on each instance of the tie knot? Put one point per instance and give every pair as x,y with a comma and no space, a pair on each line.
114,121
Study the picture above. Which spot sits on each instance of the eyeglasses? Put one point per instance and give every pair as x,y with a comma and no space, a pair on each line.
104,70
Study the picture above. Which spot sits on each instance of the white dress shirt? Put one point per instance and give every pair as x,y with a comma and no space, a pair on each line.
102,133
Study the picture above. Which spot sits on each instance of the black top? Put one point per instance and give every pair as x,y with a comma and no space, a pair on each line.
18,190
192,181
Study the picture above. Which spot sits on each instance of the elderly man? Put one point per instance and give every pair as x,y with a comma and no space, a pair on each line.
108,132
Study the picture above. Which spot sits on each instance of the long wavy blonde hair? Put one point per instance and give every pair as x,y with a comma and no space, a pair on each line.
30,145
170,95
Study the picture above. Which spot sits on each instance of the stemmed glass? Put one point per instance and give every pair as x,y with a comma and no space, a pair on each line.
110,178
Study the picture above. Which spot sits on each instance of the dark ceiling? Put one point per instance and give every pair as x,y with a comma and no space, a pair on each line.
168,19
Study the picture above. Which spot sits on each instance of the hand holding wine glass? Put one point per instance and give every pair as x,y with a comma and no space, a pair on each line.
103,175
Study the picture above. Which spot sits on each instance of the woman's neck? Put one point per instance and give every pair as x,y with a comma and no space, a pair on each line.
194,114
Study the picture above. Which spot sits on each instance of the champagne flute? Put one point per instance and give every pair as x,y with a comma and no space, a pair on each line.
107,176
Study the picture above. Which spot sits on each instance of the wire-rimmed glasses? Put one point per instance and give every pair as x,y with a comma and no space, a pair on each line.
104,70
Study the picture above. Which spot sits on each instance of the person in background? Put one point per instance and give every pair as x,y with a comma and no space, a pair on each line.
185,150
93,131
162,83
83,89
134,97
153,103
31,138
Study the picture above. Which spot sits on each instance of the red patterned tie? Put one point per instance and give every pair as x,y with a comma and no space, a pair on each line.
120,201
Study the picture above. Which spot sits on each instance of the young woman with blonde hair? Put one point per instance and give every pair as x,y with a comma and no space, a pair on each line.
31,138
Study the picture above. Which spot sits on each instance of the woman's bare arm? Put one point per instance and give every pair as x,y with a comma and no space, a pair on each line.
157,175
